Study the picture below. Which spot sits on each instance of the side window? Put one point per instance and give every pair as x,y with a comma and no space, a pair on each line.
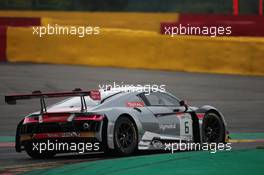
135,99
154,100
161,99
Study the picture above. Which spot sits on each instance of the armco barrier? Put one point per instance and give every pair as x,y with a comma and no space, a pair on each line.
140,49
20,21
13,21
220,18
244,25
237,29
2,43
128,20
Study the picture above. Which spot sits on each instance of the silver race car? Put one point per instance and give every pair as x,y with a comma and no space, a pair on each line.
114,120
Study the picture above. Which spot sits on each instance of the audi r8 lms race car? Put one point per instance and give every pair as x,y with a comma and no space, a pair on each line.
114,120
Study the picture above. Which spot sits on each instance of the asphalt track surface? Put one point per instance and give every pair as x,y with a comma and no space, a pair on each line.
240,98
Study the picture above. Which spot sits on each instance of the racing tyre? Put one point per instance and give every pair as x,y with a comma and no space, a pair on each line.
125,136
36,154
213,129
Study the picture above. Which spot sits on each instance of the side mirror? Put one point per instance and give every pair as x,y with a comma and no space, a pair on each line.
184,103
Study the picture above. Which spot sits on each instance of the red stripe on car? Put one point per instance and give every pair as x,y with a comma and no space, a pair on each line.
89,117
200,115
46,118
55,135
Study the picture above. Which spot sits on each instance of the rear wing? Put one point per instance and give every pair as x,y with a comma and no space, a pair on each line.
94,94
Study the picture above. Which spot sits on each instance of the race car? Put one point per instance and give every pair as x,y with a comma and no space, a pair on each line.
120,121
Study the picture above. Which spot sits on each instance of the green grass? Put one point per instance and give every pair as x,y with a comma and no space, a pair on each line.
7,139
226,162
255,135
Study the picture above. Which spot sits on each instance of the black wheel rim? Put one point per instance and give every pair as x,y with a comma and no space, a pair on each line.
212,129
125,135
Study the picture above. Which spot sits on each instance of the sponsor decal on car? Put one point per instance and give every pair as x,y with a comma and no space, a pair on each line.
135,104
167,126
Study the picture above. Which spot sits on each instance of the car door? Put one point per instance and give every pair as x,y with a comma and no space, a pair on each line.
173,121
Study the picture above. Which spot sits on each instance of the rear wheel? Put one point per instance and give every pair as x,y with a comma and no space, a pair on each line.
125,136
36,154
213,129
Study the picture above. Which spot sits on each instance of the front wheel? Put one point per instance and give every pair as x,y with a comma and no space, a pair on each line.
125,136
213,129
